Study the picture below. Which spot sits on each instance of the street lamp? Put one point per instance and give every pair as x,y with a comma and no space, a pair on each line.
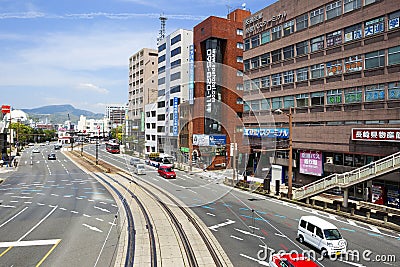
290,167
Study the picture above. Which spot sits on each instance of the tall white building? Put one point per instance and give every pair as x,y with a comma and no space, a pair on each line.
173,82
151,127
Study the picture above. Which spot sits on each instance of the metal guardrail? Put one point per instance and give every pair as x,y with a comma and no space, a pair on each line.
350,178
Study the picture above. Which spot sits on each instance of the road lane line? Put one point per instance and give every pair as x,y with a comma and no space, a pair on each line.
238,238
248,233
48,253
7,206
13,217
105,210
88,216
29,243
101,220
210,214
73,211
92,228
42,220
5,251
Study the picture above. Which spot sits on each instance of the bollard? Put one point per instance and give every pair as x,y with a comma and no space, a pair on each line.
352,211
325,205
313,202
385,218
367,214
307,201
338,207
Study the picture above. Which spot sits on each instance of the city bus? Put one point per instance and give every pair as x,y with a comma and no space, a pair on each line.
112,147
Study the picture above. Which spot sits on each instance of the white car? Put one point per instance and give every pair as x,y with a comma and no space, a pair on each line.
36,150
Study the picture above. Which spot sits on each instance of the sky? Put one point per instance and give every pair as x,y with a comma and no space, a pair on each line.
77,51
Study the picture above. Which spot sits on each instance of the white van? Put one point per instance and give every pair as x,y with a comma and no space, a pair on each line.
139,168
322,235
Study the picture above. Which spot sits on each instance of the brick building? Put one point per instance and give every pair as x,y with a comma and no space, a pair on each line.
335,66
218,106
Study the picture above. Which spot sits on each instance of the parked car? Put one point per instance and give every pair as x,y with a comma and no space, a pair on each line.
51,156
57,147
35,150
291,259
166,172
322,235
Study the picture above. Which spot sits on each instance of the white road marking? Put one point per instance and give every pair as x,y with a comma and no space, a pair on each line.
73,211
55,195
14,201
28,202
7,206
256,228
113,224
87,215
92,228
248,233
238,238
256,260
103,202
105,210
29,243
63,209
192,191
34,227
114,205
40,204
21,197
374,229
214,227
101,220
52,206
13,217
79,198
351,222
281,235
210,214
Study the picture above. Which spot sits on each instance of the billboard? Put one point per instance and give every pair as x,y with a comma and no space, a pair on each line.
191,74
267,132
311,162
209,140
5,109
176,116
375,134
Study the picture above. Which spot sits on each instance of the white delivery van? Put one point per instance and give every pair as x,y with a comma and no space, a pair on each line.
139,168
322,235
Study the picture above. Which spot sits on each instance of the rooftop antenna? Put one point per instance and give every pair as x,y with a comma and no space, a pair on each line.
244,6
161,33
229,8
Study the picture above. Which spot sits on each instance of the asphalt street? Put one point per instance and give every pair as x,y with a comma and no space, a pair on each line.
249,226
54,214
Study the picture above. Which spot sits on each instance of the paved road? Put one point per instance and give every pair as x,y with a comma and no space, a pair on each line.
246,223
53,214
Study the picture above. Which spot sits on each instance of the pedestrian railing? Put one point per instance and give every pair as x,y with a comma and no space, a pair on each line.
344,180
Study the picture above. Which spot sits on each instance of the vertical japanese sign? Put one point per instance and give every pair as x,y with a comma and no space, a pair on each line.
311,162
191,74
211,89
175,120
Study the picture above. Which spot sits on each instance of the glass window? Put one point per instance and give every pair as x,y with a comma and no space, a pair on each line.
288,101
265,82
375,59
276,55
176,89
246,107
239,86
276,32
302,74
175,76
175,39
333,10
247,44
239,101
255,62
317,71
255,84
353,95
374,26
288,52
317,43
288,76
394,55
265,59
255,41
288,28
394,20
353,63
368,2
276,79
162,47
239,31
246,65
350,5
394,90
161,58
302,22
255,105
176,51
334,68
334,38
239,59
316,16
302,48
276,102
239,73
265,37
239,45
317,99
374,92
302,100
175,63
247,85
161,81
265,104
334,97
353,32
161,69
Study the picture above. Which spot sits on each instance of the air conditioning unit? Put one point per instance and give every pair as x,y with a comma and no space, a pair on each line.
329,160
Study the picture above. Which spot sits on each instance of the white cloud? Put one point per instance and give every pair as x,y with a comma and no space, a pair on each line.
92,88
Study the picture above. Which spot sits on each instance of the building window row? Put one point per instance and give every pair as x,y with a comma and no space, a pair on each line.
176,39
368,28
368,93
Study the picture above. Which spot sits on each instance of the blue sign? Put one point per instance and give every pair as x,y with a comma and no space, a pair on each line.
267,132
175,121
191,74
216,140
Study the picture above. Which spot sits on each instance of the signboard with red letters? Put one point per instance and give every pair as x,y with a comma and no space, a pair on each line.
376,134
5,109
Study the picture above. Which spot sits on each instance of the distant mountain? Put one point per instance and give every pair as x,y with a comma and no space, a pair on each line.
57,114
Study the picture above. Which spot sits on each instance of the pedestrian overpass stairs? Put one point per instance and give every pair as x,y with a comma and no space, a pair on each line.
347,179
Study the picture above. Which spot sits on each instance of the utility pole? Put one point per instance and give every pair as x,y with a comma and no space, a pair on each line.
97,150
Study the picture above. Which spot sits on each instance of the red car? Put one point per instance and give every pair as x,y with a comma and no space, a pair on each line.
166,172
295,260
